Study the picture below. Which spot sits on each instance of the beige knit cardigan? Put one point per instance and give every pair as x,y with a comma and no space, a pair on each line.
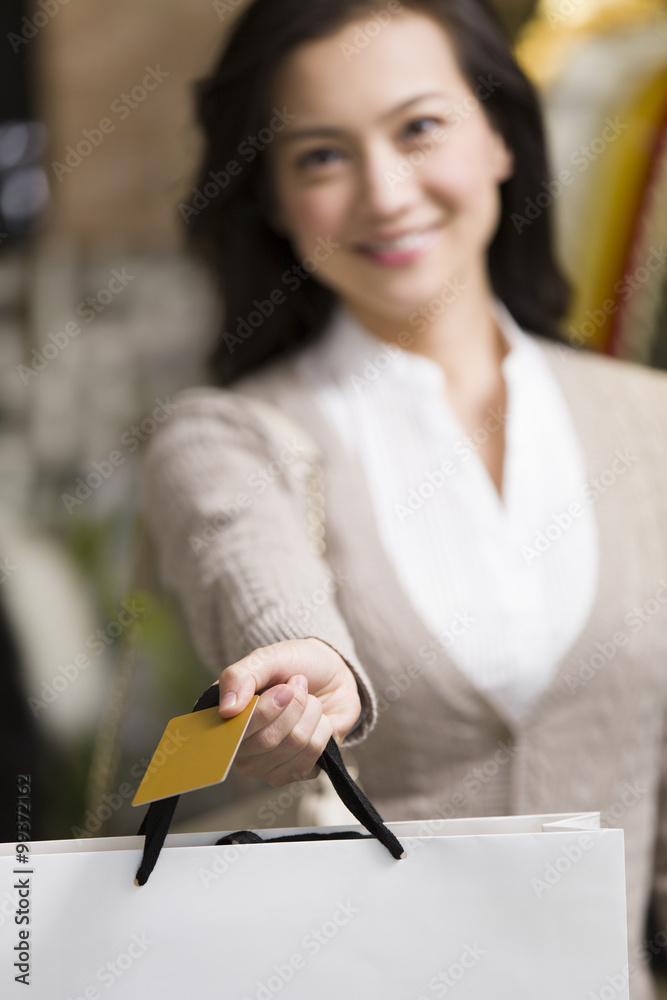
225,501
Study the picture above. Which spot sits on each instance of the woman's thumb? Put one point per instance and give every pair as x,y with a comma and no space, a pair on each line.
260,669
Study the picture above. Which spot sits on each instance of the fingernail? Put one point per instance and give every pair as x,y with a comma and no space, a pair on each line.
228,700
283,696
301,681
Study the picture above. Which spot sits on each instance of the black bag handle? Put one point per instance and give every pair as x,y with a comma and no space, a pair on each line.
156,822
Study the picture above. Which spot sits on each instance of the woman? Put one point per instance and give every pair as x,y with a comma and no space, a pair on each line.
487,624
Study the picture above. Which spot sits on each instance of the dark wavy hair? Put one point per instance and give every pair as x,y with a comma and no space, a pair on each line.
228,215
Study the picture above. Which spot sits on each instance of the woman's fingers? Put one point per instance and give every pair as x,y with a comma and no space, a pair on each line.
277,711
307,693
265,667
304,765
286,750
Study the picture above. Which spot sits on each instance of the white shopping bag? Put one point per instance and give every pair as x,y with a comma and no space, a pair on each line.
512,908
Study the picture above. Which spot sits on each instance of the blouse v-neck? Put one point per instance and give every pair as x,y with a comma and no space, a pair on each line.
354,543
513,650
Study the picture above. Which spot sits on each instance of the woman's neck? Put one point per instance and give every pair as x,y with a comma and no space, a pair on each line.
466,341
458,331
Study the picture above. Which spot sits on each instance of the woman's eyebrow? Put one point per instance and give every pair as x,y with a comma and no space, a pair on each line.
329,130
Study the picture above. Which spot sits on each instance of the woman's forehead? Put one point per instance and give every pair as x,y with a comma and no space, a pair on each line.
350,70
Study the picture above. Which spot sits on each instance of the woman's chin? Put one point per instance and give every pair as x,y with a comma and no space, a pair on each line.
402,300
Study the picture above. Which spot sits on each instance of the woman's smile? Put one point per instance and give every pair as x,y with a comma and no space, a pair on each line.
400,249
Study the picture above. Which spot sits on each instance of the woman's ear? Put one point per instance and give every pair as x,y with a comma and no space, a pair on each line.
503,158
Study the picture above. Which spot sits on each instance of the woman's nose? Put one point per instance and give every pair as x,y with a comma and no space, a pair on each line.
388,183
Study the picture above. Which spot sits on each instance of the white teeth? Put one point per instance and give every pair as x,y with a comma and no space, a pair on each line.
406,242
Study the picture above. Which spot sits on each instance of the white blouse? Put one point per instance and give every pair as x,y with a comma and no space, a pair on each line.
505,585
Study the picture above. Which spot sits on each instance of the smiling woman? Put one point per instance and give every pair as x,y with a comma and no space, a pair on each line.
386,320
335,168
459,98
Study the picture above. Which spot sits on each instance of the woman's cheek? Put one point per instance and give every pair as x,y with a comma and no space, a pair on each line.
447,176
314,216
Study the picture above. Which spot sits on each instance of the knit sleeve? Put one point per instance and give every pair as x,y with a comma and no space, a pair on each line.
222,504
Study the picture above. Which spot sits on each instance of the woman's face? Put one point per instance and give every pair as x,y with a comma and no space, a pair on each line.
390,168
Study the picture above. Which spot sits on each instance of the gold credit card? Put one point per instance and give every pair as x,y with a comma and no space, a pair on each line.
196,750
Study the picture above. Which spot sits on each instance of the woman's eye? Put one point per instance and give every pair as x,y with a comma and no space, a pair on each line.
318,157
420,126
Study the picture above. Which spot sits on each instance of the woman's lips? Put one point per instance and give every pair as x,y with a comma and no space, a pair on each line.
402,249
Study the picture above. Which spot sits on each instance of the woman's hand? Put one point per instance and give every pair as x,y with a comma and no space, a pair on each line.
309,694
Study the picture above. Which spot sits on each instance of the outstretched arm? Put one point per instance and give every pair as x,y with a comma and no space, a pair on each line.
229,522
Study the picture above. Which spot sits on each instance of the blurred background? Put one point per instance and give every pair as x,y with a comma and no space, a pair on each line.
103,317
